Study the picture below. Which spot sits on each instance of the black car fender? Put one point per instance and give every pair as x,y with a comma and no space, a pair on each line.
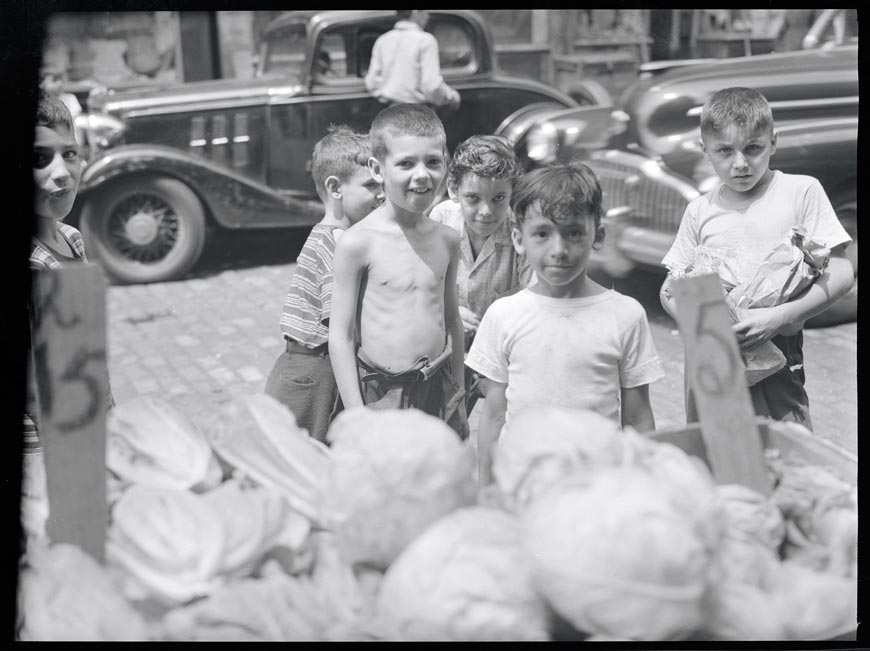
230,199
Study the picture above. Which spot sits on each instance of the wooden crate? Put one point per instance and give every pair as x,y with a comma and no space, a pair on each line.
787,438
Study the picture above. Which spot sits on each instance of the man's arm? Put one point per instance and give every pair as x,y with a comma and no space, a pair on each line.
489,428
762,323
348,268
432,82
636,408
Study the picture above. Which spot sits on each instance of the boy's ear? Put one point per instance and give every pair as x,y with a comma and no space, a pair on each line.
452,192
517,239
702,146
598,242
375,169
773,143
333,186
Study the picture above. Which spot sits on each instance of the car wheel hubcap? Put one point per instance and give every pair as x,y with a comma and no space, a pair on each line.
143,228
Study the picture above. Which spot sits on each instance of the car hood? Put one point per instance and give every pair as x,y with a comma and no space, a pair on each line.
193,94
658,106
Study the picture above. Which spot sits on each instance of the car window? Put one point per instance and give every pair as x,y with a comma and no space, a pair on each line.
331,57
285,51
455,43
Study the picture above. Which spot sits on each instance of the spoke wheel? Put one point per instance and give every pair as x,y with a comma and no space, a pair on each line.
145,229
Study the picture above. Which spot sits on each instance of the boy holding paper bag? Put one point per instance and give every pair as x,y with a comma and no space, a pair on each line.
776,243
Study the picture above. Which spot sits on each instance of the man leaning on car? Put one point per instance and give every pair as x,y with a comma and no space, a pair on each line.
405,67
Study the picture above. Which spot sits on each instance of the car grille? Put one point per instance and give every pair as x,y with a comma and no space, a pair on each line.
654,205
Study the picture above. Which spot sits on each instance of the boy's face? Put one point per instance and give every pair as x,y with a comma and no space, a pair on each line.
739,156
360,194
558,251
57,171
412,171
485,203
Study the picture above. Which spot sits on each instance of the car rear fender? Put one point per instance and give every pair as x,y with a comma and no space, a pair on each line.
231,200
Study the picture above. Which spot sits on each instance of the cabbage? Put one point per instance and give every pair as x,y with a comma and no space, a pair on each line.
65,595
170,543
150,442
392,473
254,520
690,481
739,611
464,578
616,555
813,605
750,514
545,444
258,436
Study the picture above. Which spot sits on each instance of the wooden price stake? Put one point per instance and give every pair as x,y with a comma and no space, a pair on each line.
71,377
717,377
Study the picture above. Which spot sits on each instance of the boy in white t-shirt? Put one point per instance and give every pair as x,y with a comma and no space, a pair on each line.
566,340
742,219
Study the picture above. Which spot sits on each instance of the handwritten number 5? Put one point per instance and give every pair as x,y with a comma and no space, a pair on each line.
75,373
711,378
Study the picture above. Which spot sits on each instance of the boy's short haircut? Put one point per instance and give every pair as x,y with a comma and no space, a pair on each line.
51,112
404,120
560,191
487,157
745,107
341,152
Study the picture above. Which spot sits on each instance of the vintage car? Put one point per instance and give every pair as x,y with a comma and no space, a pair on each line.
166,165
646,154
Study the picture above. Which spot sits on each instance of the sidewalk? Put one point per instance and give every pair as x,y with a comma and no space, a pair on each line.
202,341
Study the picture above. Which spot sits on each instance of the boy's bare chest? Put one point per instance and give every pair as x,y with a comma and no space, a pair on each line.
407,264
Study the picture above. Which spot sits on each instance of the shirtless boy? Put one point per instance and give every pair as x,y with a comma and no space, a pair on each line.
395,336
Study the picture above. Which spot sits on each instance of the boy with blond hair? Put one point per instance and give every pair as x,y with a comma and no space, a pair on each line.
744,218
302,377
565,341
395,337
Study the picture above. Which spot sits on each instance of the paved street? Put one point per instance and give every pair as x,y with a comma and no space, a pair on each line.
201,341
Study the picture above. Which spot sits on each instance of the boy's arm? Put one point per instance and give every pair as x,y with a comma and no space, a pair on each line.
452,317
636,408
348,267
489,428
762,323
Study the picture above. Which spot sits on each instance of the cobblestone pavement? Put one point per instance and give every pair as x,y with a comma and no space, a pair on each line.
201,341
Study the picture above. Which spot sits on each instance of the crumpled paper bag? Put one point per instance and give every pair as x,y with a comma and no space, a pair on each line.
788,270
791,267
763,360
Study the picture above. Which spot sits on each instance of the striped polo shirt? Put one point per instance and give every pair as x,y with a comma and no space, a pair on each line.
305,316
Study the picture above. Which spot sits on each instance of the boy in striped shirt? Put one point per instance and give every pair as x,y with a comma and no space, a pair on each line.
302,376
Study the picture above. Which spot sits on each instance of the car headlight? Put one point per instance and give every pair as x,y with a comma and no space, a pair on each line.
542,142
102,131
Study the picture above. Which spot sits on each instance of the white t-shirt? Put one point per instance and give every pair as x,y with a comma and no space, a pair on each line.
575,352
746,232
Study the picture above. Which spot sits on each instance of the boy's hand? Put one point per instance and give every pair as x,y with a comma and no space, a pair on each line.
469,319
758,325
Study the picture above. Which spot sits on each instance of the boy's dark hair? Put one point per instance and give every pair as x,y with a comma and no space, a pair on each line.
404,120
51,112
741,106
488,157
560,191
341,152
